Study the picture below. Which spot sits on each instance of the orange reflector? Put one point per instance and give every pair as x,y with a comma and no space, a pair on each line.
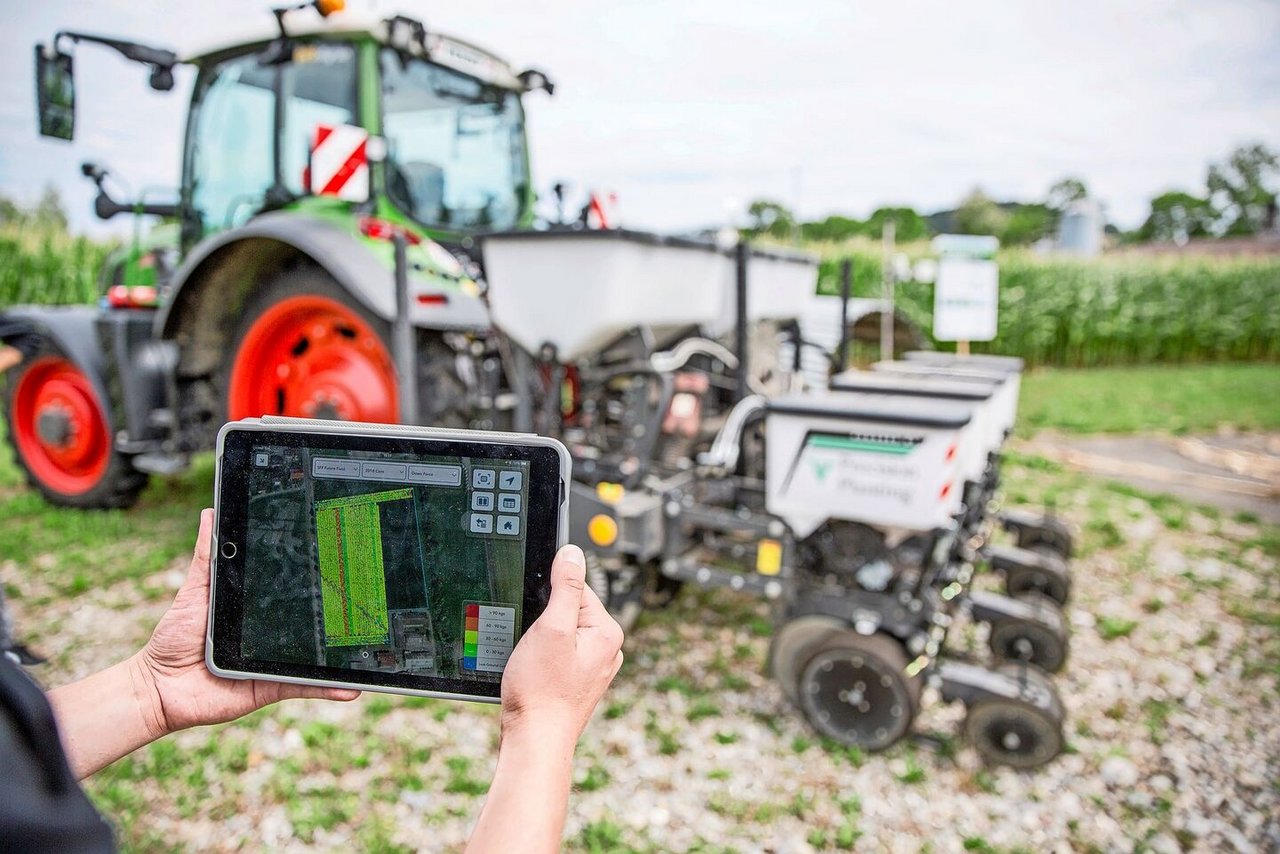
602,530
610,493
328,7
381,229
769,557
433,299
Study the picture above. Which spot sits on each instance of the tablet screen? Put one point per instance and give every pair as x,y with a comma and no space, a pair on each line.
401,568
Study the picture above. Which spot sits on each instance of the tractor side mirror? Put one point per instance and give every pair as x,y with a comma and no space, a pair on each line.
55,93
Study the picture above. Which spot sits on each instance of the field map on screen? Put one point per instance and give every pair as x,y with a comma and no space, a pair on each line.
384,562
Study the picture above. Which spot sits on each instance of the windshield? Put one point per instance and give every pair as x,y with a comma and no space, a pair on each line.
455,155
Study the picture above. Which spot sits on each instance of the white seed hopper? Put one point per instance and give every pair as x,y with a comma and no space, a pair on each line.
580,290
1008,364
869,458
986,430
1006,384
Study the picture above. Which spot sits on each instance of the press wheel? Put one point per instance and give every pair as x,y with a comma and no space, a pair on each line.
1041,640
1013,732
792,646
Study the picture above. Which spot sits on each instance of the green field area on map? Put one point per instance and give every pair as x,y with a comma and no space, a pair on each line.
352,573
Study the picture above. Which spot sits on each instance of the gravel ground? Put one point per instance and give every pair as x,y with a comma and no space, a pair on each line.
1172,730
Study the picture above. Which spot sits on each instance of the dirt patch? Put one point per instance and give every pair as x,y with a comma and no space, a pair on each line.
1235,472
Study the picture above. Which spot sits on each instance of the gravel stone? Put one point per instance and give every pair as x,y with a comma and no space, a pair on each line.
1119,772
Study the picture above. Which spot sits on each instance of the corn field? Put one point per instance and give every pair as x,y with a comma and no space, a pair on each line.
1053,311
46,265
1110,311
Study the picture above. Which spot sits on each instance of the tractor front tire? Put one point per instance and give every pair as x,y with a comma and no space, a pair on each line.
58,428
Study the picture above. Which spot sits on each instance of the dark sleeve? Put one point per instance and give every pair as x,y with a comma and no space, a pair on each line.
20,335
42,807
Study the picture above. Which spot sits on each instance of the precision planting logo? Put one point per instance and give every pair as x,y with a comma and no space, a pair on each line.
888,445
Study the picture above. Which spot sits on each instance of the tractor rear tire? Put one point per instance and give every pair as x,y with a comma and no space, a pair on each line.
60,434
305,347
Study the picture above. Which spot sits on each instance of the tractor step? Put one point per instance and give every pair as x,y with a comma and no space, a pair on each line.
162,464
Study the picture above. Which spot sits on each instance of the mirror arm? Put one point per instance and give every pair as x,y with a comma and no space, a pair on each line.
161,60
129,50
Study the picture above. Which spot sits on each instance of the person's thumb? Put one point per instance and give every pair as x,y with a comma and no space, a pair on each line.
568,579
198,573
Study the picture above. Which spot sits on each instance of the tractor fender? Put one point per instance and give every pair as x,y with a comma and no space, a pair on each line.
209,290
72,329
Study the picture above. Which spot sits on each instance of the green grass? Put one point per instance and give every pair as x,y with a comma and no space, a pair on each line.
64,552
1111,628
1183,399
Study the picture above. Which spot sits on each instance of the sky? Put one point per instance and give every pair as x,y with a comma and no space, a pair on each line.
689,109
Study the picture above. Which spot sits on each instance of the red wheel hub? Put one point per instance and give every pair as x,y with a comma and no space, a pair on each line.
59,426
312,357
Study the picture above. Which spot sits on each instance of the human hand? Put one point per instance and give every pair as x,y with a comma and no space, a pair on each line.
177,690
563,664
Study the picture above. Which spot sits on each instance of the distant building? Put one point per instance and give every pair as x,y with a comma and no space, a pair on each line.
1081,228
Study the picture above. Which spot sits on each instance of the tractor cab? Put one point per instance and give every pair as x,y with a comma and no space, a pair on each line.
331,114
414,128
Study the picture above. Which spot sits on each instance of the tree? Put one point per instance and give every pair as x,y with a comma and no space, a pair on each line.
833,229
978,214
1178,216
908,225
770,217
1027,224
1241,188
10,211
1064,192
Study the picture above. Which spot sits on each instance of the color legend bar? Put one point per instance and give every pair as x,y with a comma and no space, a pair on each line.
488,636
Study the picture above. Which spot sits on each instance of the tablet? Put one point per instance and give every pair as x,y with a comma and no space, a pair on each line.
400,559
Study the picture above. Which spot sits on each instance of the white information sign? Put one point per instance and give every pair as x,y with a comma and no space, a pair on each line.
965,300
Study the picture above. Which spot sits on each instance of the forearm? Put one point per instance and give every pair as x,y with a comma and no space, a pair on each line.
106,716
525,809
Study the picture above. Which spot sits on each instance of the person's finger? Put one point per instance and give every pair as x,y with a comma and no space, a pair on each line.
316,692
568,581
198,574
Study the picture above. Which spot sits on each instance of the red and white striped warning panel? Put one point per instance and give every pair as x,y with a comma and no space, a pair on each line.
340,162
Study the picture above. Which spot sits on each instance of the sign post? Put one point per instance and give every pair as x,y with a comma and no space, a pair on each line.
966,294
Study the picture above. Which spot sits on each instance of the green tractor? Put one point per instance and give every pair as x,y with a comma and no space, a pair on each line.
314,158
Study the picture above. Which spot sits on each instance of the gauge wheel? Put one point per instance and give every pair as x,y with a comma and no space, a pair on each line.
1049,536
855,690
1035,687
305,348
1053,579
1041,640
1013,732
61,436
792,646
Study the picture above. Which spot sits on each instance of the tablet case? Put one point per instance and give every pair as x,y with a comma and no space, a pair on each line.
357,428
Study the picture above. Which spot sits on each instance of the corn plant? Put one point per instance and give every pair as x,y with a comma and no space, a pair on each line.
1108,311
45,265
